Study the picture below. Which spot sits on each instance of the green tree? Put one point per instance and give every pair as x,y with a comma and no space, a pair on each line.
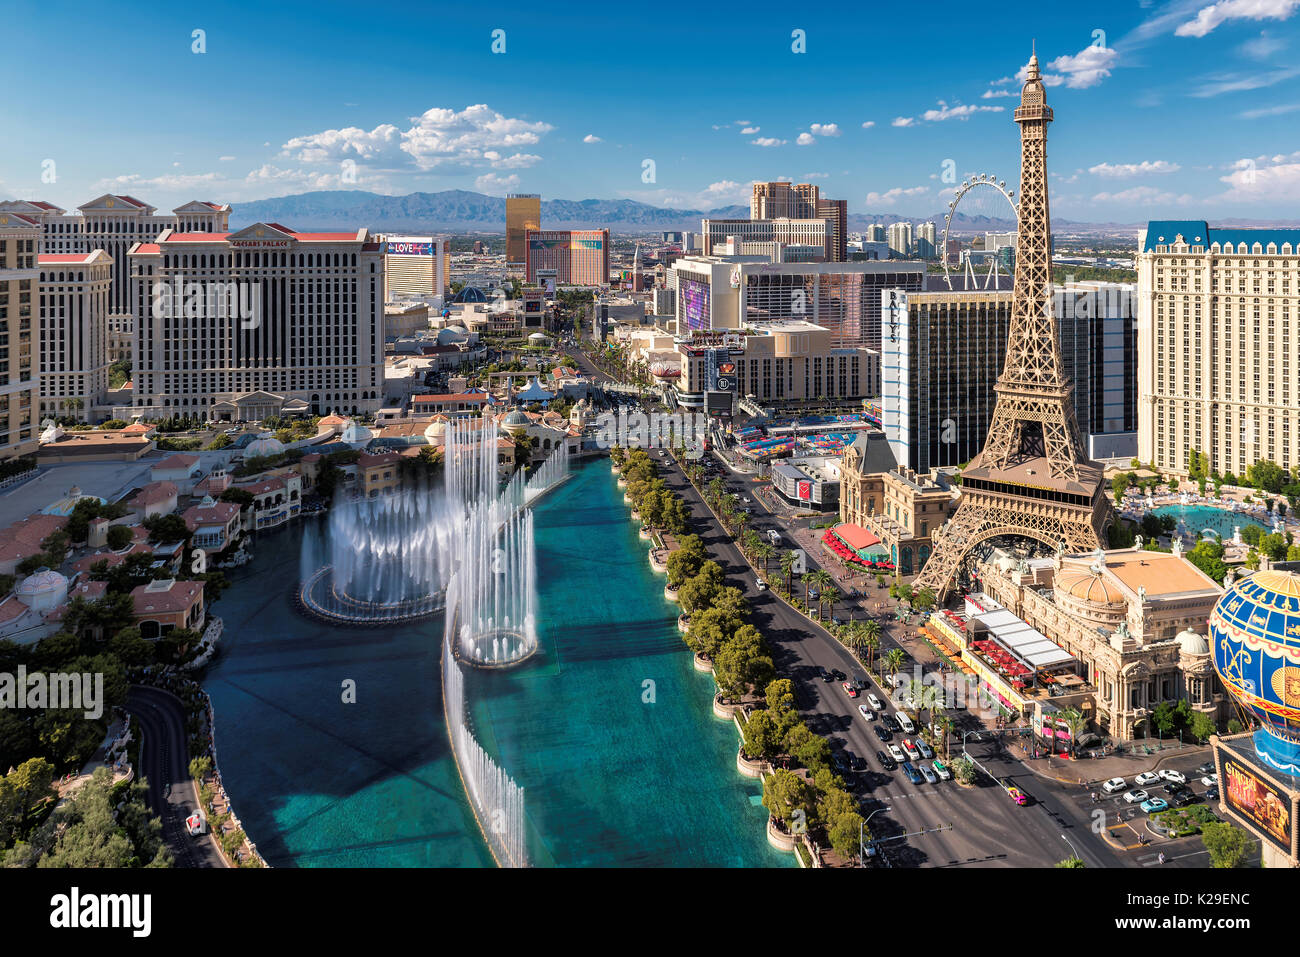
762,735
1074,863
1267,476
1208,557
167,528
119,537
1228,846
789,798
1201,726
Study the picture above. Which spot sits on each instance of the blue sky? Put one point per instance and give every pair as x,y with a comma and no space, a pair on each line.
1164,110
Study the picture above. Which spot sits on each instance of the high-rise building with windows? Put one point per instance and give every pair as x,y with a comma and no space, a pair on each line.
926,242
114,223
20,244
836,214
263,321
578,257
74,341
939,397
900,239
414,267
783,200
523,212
790,232
1219,345
876,233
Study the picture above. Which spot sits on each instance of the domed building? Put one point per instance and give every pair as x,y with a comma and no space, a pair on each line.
43,590
1133,619
436,430
452,335
357,435
515,422
265,445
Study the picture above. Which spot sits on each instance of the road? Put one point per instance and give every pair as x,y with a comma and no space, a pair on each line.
164,763
979,826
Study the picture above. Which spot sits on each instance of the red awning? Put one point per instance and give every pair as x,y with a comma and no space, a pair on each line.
855,536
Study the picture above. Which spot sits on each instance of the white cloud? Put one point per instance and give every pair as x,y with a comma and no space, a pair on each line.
768,141
1239,82
903,121
816,176
889,197
1143,196
869,124
806,139
1086,68
825,129
1117,170
166,182
592,138
514,161
493,185
1270,111
303,180
946,112
1216,14
1264,180
993,94
724,193
226,159
437,138
749,130
1262,47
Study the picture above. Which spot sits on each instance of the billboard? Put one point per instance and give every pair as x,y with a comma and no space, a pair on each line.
718,403
397,247
1258,802
693,299
805,491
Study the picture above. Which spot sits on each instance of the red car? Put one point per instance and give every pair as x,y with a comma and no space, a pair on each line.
851,691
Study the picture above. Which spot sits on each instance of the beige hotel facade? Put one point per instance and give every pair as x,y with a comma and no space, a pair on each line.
1218,345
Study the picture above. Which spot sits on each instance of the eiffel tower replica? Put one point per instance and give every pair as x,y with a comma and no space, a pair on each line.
1032,479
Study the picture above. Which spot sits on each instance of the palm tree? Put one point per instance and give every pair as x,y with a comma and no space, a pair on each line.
1076,721
764,551
946,724
893,660
853,637
927,699
830,596
871,639
787,569
825,583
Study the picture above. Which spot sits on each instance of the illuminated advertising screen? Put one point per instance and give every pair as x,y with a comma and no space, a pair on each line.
722,371
397,248
1258,802
693,297
717,403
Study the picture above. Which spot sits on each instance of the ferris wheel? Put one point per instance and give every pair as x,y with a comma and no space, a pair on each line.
989,205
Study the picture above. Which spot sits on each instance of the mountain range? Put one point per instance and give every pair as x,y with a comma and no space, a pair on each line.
458,210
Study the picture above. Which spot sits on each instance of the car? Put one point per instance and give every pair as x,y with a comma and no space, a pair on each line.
858,762
882,732
841,762
1212,794
891,723
913,775
826,675
897,753
905,723
839,675
812,594
926,751
886,761
874,702
1182,799
849,690
1114,784
1135,797
1206,768
866,712
1173,787
1168,774
760,584
941,769
911,749
1210,780
1145,778
1017,795
1151,805
928,773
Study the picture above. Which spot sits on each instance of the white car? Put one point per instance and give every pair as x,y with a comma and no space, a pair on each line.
1135,797
1173,777
897,753
874,702
1145,778
762,585
1114,784
1210,780
866,712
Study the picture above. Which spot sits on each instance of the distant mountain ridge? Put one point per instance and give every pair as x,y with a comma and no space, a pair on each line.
458,210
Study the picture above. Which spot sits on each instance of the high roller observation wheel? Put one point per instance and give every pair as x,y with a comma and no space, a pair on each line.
981,180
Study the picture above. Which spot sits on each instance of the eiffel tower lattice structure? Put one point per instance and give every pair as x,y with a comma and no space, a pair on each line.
1032,480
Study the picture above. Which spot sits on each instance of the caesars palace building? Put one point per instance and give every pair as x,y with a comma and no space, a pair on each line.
263,321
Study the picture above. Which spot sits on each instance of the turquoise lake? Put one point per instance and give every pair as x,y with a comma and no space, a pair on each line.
609,728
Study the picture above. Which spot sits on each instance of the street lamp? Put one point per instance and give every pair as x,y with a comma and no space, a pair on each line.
1072,847
861,829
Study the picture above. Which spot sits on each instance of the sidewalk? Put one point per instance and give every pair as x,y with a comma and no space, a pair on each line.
1090,771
